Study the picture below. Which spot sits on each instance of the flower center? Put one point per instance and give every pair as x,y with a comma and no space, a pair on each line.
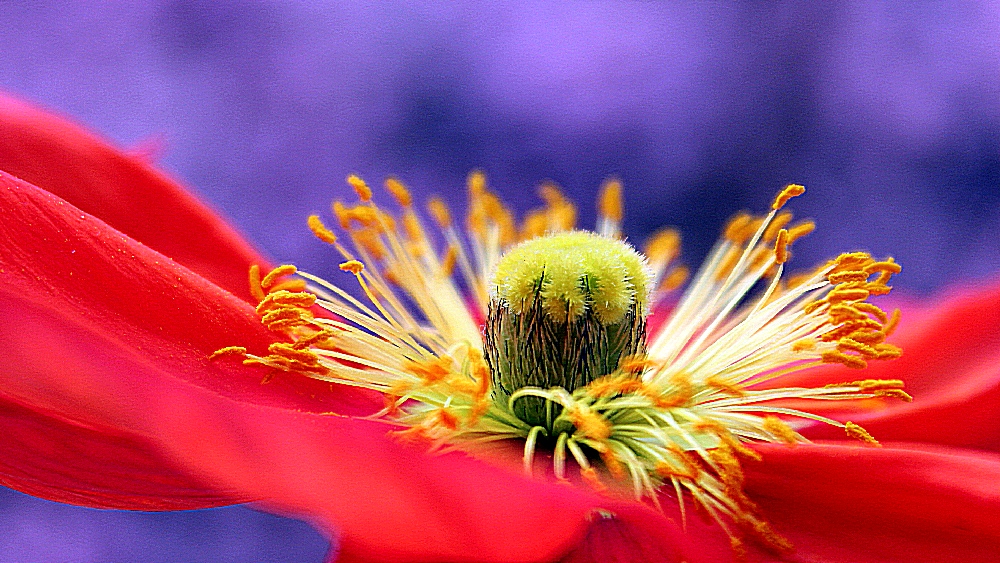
566,309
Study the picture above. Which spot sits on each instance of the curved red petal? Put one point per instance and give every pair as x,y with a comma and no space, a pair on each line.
123,191
903,504
107,348
951,366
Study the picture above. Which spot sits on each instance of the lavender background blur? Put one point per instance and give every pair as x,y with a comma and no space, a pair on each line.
888,113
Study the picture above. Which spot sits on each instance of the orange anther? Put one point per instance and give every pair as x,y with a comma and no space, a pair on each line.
609,203
838,357
781,247
254,278
859,433
790,191
319,229
360,187
779,429
277,273
439,211
352,266
399,191
675,279
802,229
476,183
778,223
228,351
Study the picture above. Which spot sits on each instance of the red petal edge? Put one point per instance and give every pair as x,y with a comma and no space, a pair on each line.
107,381
123,191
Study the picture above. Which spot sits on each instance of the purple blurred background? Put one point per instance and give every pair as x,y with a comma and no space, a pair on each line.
889,113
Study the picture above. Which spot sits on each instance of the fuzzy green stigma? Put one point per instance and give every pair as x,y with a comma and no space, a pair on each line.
573,273
567,308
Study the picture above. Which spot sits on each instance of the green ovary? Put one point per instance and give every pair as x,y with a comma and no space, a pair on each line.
566,309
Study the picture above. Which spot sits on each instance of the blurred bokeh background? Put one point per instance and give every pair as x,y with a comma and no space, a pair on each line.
888,112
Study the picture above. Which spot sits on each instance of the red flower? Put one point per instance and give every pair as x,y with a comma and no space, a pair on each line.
118,285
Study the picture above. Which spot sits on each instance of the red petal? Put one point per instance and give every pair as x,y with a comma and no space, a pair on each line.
903,504
951,366
123,191
105,352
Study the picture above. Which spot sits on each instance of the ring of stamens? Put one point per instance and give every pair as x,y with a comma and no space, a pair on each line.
676,415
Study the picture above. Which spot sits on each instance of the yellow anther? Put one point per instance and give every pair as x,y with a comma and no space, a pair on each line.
804,344
859,433
289,352
849,276
727,263
663,246
781,430
889,327
779,222
870,337
439,211
611,385
885,266
675,279
430,371
736,228
551,194
447,419
476,183
895,394
781,247
589,423
790,191
872,310
319,338
352,266
849,344
360,187
851,261
609,203
802,229
371,242
341,213
411,225
667,471
726,387
535,224
276,274
888,351
282,298
228,351
399,191
839,294
868,385
838,357
448,262
293,285
811,307
319,229
254,278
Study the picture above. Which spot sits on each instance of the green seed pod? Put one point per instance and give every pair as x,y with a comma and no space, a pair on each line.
566,309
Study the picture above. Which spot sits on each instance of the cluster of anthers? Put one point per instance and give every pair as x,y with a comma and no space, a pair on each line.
537,332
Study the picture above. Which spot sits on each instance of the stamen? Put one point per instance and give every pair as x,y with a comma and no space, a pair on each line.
228,351
360,187
790,191
859,433
319,229
352,266
439,211
399,191
281,271
255,288
781,247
